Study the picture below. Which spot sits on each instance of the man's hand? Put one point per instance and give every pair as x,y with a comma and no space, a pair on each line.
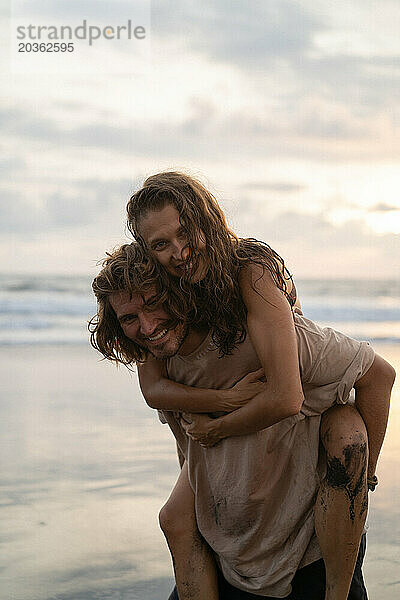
201,429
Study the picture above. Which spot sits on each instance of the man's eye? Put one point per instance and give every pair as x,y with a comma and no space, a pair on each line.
129,319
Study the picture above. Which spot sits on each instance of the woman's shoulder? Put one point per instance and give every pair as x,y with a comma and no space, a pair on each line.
256,253
263,295
264,267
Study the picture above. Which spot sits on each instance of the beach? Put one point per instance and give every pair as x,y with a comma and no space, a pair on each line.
86,468
87,465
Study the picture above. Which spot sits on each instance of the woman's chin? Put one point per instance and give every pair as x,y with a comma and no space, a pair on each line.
198,276
186,274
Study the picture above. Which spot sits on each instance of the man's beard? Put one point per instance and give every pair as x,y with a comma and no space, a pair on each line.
171,347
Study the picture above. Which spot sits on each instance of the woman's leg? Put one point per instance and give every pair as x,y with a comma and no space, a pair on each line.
342,501
194,566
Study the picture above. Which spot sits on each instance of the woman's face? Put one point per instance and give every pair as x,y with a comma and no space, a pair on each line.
168,244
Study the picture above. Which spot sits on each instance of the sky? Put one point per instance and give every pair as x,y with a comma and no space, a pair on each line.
288,110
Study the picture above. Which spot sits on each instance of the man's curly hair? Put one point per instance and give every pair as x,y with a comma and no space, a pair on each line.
216,300
130,269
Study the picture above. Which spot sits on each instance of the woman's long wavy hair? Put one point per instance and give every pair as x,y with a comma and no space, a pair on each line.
130,269
216,300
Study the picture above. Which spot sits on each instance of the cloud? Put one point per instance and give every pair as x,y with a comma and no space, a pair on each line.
215,135
262,92
382,208
16,121
77,204
310,243
143,138
367,84
281,38
19,123
280,187
237,32
19,215
67,9
314,247
11,165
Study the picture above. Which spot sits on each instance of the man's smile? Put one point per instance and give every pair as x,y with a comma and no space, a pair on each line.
158,336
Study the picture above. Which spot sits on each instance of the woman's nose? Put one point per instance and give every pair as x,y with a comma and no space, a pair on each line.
180,251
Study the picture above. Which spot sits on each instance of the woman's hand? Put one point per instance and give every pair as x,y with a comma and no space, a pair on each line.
244,390
201,429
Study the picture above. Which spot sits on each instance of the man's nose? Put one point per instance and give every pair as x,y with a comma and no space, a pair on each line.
148,324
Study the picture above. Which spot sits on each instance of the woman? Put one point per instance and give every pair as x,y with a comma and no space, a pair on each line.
237,287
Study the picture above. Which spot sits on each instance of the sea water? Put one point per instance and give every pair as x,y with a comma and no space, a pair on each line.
55,309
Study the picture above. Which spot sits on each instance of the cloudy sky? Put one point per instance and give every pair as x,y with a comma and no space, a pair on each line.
287,109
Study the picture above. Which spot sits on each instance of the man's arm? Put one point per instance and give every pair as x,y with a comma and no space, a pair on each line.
372,401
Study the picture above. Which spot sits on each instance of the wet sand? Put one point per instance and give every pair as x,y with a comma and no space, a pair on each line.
86,467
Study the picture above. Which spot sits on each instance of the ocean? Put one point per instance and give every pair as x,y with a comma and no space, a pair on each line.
55,309
86,464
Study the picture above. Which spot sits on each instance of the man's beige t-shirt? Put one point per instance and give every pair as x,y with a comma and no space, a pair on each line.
255,493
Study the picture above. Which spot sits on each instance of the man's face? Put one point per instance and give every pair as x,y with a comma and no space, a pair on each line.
146,327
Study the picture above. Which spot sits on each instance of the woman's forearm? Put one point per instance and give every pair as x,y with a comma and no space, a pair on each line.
261,412
169,395
166,394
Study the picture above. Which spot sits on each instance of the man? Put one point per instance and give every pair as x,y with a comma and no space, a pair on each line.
254,493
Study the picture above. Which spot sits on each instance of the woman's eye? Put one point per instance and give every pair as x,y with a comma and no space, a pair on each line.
151,302
159,246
